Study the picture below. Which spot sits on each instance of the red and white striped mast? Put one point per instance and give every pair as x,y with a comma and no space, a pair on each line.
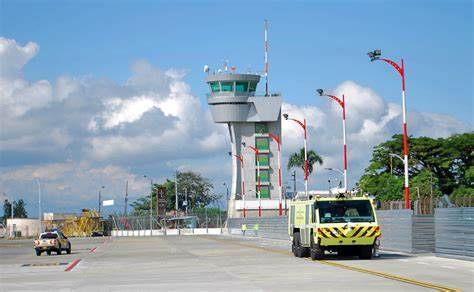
375,56
241,159
276,138
266,59
342,103
305,166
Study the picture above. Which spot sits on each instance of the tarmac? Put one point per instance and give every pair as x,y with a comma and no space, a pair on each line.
219,263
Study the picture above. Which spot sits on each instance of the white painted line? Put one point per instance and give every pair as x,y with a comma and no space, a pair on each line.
448,267
423,263
403,260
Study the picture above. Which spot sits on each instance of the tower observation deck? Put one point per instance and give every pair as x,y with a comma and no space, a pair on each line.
250,118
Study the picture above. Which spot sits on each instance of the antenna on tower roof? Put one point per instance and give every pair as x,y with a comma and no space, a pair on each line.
266,57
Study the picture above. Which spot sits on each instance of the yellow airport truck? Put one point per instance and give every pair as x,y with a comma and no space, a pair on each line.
346,225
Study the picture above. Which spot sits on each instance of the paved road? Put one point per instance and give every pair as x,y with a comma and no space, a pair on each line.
177,263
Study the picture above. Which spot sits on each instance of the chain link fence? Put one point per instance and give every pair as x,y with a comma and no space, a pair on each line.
190,221
426,205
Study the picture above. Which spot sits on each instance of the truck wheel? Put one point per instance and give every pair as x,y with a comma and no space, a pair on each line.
58,251
38,252
300,251
293,245
68,249
365,252
48,252
297,245
316,252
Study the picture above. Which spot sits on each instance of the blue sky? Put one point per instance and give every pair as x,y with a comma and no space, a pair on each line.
313,43
94,88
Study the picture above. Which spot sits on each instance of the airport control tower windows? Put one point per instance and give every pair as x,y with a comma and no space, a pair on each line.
263,159
261,128
215,87
227,86
264,175
262,143
241,86
253,86
264,192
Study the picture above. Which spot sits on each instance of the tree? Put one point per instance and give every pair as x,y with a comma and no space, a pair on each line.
19,210
7,210
297,160
192,185
442,164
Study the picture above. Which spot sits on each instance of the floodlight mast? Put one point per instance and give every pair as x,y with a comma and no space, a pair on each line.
305,166
375,56
342,103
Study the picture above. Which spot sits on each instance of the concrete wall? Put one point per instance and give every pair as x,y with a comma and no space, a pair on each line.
26,227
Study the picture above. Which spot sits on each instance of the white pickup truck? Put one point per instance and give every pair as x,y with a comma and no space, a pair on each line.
52,241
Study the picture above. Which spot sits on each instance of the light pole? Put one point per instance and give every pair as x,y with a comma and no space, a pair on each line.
176,193
11,210
100,198
305,167
226,196
276,138
375,56
241,159
257,152
39,205
151,204
342,103
338,171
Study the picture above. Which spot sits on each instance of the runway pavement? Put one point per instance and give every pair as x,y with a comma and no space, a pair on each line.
227,263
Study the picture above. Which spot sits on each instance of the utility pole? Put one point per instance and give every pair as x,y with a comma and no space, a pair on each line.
126,199
176,192
294,183
39,205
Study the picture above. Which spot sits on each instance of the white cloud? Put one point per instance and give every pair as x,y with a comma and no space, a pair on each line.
82,132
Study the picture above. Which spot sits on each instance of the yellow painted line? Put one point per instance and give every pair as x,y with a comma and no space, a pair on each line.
348,267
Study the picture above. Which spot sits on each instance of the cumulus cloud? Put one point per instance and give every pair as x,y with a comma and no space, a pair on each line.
370,120
80,132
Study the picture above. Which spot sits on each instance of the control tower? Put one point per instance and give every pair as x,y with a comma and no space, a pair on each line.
250,118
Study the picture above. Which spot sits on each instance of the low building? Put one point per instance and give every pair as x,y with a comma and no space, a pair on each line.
22,227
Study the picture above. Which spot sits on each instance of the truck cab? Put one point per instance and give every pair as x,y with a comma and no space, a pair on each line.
346,225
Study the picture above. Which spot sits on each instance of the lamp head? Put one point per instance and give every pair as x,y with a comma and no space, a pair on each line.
285,116
243,144
320,92
374,55
230,153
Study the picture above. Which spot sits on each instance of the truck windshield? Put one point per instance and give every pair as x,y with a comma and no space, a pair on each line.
345,211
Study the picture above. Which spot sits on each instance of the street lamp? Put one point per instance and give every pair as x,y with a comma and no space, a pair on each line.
151,203
227,196
39,205
305,167
257,152
100,197
375,56
342,103
11,210
276,138
241,159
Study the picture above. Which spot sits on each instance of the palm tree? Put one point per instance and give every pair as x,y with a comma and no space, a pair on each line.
297,160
